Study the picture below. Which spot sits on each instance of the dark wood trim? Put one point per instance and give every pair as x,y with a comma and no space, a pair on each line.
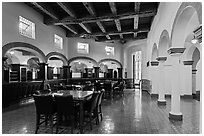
154,63
187,96
161,58
188,62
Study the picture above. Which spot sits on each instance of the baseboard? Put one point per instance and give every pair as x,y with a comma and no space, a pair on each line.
187,96
154,95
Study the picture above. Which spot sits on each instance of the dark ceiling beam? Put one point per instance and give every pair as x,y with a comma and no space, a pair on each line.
90,8
67,9
117,21
45,10
52,15
73,14
70,20
71,28
136,18
92,12
85,27
112,33
118,39
102,29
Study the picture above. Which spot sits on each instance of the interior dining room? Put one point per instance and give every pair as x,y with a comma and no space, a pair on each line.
109,67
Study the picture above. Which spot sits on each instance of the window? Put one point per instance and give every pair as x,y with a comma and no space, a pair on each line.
83,48
26,28
109,50
137,63
58,42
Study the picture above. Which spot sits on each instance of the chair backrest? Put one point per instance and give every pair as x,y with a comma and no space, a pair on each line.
48,86
65,104
44,104
100,97
107,86
94,100
97,86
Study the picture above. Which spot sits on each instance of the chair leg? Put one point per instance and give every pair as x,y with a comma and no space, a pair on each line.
37,123
100,112
72,125
51,123
57,125
90,121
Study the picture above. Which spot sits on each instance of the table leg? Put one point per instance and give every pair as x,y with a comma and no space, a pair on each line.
81,122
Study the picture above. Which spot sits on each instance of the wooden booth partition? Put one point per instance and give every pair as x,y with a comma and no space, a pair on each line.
17,91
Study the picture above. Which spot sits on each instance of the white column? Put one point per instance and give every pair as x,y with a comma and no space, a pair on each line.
175,112
161,100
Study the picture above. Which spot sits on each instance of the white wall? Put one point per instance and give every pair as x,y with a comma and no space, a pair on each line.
129,49
96,49
44,34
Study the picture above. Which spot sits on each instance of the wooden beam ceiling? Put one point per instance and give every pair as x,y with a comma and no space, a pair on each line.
92,11
117,21
49,12
91,19
113,33
69,11
74,18
136,18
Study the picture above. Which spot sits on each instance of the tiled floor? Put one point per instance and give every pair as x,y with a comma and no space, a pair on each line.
135,113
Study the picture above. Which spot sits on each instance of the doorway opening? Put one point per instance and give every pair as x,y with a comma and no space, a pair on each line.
137,65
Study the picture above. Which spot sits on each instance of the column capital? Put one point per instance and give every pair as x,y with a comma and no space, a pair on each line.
188,62
154,63
161,58
173,50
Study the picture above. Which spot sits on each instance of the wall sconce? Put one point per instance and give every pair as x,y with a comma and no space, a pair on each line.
194,40
12,52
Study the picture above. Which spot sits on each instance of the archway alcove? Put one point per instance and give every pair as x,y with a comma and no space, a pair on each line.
17,55
110,68
82,66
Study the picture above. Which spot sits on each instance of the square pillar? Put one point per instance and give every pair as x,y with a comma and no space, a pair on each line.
120,72
43,71
154,77
96,71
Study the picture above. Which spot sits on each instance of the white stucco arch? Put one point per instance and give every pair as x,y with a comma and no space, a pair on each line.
187,19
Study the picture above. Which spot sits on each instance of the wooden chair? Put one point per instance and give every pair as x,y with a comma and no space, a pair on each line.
118,89
108,90
99,109
90,108
45,111
65,112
